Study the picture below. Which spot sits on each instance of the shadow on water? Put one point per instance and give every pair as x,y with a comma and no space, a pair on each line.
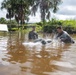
32,59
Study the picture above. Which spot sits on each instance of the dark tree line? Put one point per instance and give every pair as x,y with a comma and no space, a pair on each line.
21,9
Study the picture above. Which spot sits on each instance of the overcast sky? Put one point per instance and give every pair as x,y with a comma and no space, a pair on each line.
67,10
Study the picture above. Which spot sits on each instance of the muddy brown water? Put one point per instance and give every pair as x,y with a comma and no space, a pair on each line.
20,57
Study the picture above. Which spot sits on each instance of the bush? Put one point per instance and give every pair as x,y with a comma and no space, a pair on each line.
68,25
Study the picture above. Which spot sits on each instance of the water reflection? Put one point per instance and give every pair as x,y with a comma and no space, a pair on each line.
42,61
16,50
31,58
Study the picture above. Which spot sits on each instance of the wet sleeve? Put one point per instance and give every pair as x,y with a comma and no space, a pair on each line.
66,38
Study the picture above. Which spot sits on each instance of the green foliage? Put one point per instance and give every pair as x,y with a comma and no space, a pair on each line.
12,25
68,25
40,23
39,28
71,23
48,29
19,9
46,7
13,29
3,21
12,22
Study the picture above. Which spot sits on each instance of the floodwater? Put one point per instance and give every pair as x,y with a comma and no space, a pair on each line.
20,57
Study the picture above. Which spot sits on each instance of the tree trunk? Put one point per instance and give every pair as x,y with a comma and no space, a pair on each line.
10,23
43,16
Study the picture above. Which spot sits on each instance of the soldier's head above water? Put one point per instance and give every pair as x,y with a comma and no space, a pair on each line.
59,29
33,28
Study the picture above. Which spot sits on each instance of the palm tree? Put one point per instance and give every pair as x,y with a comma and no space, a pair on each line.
45,7
18,9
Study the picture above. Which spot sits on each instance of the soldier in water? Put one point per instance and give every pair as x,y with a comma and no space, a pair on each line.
64,36
32,34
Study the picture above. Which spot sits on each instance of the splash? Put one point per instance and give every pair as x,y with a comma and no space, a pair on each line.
48,43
